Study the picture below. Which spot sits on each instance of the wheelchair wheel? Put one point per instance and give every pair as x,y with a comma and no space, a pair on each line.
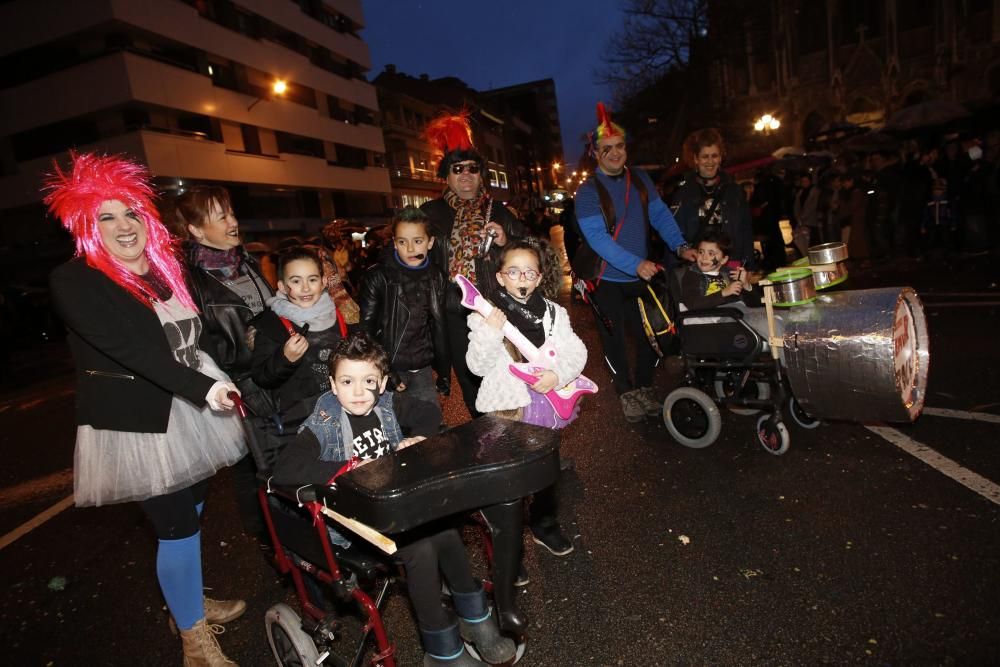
291,646
800,416
725,387
692,417
772,435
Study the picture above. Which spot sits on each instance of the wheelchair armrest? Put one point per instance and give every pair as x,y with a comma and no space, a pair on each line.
306,493
718,311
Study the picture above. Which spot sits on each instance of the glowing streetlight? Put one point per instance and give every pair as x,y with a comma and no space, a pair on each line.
766,123
556,166
278,88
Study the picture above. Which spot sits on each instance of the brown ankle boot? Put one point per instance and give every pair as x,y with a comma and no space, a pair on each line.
217,611
201,648
223,611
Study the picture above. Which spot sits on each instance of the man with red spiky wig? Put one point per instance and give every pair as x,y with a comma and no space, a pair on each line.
616,207
469,229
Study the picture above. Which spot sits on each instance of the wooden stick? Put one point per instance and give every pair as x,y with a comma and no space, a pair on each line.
362,530
772,340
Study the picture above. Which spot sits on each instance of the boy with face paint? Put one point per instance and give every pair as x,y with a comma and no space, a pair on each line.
402,307
356,420
711,281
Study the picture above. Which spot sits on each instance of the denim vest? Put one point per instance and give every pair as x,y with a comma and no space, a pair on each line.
331,426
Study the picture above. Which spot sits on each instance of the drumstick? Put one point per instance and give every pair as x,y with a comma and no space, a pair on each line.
362,530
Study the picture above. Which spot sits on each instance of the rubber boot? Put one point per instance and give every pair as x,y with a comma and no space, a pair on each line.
479,628
201,648
445,647
506,524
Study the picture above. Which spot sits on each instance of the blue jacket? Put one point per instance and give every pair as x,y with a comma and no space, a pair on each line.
632,246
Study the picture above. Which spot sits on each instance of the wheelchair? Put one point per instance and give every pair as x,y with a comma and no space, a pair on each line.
357,578
332,581
728,363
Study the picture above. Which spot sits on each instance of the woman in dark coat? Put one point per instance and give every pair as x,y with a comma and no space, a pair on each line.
229,289
152,409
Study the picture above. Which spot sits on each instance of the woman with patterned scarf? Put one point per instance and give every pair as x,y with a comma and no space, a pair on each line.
229,289
470,229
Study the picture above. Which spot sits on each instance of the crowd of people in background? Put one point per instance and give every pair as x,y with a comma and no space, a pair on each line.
934,197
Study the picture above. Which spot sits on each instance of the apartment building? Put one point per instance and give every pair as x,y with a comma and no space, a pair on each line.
265,97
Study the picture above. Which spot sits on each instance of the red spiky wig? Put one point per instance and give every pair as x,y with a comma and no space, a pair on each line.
75,197
605,128
451,137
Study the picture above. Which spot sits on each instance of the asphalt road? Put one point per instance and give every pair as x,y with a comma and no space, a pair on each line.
845,550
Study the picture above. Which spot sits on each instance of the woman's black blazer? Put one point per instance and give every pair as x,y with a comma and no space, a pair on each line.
126,372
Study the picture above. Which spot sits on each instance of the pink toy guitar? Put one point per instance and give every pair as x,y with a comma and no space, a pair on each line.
564,399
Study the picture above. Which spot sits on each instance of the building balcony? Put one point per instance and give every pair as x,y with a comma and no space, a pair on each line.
191,157
130,77
29,24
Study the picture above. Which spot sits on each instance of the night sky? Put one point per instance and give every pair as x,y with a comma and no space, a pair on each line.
496,44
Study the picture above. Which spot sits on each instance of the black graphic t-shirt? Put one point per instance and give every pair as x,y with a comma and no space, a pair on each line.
369,440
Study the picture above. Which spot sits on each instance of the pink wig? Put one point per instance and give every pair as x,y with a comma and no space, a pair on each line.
75,197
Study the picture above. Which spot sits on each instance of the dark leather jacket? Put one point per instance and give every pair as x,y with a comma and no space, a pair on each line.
385,314
225,316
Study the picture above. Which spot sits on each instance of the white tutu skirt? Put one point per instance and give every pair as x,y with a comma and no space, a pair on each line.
119,466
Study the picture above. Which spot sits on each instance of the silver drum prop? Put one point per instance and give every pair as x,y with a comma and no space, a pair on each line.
828,253
858,355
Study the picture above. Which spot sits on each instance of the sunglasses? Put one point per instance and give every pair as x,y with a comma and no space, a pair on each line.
472,168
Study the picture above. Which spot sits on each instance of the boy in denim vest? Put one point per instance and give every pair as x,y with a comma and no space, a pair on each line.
355,419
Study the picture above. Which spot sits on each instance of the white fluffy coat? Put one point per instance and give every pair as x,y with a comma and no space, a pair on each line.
489,358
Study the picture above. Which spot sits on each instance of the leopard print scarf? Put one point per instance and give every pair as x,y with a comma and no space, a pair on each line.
465,244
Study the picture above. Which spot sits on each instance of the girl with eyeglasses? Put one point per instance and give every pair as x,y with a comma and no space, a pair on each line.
525,266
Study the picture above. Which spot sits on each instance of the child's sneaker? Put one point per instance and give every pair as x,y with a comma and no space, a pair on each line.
552,538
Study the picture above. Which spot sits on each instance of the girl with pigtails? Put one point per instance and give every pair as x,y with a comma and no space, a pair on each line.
154,421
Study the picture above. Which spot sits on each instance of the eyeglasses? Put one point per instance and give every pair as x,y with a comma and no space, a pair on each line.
472,168
514,273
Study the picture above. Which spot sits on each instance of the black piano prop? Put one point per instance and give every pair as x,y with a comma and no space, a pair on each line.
488,461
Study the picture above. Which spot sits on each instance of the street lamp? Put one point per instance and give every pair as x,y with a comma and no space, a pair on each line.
278,89
766,124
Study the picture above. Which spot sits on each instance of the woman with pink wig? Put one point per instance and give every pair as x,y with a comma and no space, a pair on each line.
154,422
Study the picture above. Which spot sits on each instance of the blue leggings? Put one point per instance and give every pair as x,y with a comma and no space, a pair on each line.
176,519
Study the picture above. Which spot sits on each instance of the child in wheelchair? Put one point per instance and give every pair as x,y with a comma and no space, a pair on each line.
711,281
725,355
354,423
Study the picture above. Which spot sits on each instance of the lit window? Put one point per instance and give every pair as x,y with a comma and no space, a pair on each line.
406,200
494,180
503,179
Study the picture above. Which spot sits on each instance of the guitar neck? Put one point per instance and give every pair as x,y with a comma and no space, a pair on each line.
473,300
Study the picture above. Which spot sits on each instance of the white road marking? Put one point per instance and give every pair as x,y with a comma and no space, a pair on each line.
963,414
24,492
941,463
35,522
